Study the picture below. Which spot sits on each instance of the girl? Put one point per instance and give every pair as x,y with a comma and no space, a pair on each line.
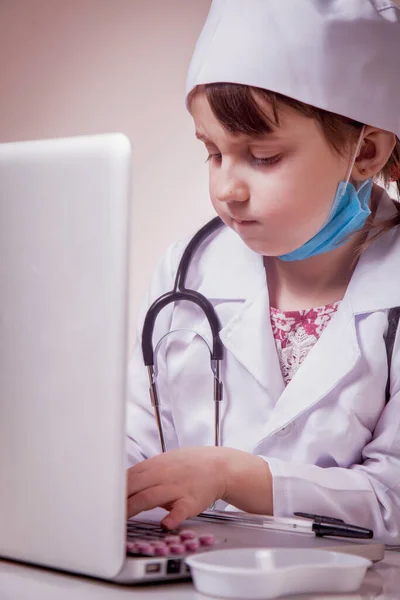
297,105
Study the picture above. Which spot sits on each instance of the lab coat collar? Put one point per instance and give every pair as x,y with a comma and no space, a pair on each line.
375,284
228,269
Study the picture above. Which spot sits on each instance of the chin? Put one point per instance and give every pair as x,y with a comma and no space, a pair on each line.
265,249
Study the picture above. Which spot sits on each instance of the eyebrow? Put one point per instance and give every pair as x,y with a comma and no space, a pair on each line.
269,136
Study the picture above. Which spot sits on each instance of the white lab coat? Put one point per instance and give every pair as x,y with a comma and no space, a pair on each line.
332,445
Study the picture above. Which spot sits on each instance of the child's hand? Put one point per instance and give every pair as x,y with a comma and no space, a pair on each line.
189,480
183,481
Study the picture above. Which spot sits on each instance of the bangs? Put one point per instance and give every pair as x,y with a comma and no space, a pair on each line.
239,109
236,108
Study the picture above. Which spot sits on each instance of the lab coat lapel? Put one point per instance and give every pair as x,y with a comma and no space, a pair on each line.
249,338
329,361
236,284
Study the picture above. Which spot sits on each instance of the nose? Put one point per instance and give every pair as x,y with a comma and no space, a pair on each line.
231,188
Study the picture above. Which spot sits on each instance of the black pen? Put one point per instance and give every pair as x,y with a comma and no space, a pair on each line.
330,526
305,523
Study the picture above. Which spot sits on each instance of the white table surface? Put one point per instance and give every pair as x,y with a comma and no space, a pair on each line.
20,582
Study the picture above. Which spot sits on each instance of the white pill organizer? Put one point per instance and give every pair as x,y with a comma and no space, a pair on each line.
257,573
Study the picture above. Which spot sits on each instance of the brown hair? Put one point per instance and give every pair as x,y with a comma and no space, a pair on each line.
236,108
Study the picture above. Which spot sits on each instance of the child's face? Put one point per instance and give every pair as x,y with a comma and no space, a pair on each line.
282,183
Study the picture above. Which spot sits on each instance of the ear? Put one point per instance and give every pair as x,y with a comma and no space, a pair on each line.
376,147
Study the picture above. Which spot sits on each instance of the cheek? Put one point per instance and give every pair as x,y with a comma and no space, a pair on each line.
292,209
301,201
298,195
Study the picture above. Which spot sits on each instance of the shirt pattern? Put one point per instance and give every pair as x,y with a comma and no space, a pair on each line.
296,332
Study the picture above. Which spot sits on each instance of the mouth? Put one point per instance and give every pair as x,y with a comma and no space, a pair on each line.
244,223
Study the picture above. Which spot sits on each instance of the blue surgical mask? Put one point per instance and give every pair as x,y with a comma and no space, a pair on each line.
349,212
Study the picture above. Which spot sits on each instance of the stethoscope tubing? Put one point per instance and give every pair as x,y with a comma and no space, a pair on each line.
177,294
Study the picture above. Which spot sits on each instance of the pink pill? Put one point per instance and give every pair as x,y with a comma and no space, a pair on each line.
130,546
145,549
207,539
161,550
187,534
172,539
140,541
158,544
192,545
177,549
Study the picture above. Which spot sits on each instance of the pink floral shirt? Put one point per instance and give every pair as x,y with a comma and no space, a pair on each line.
296,332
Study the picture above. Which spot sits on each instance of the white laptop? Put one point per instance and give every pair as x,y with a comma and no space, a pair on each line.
64,247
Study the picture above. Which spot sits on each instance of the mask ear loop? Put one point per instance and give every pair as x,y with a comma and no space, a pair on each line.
353,161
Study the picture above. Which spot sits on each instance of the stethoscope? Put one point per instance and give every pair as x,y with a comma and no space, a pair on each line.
180,292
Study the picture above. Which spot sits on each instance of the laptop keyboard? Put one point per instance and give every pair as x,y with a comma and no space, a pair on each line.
149,539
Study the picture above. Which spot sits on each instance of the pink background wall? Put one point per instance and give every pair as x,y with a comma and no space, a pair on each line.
92,66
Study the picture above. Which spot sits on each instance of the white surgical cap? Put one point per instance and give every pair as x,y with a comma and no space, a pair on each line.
339,55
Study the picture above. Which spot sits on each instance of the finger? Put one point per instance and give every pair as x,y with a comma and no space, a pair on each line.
142,466
139,484
139,480
150,498
181,510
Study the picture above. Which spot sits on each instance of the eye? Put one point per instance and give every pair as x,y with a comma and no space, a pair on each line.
265,161
214,157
